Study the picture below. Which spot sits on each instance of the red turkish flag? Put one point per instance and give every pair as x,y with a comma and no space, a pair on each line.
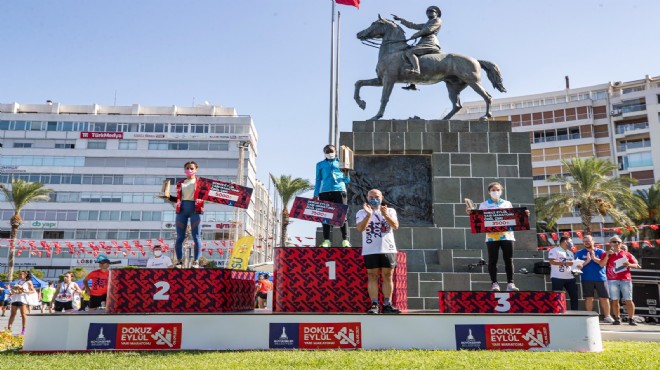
635,245
579,234
355,3
543,237
554,236
654,227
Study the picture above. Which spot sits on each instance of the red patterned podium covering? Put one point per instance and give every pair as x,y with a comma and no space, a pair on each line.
329,280
180,290
502,302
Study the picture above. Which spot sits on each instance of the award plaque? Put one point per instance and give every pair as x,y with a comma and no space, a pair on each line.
346,158
469,204
165,189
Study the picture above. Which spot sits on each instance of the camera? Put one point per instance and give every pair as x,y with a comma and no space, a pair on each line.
576,272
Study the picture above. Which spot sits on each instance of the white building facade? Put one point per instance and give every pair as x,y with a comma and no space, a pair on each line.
106,165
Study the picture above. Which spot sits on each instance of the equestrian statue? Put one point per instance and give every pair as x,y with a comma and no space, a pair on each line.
423,63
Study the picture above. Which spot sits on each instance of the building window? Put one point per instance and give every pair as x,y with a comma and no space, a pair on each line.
179,127
127,144
629,90
96,144
22,145
65,146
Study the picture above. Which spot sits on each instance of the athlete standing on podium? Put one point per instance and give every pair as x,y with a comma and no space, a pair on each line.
331,186
376,222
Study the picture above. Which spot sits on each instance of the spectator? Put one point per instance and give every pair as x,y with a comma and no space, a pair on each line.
47,295
619,279
263,288
377,222
19,299
159,261
5,298
99,290
65,292
594,278
561,260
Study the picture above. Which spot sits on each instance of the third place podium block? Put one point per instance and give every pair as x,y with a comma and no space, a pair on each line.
501,302
329,280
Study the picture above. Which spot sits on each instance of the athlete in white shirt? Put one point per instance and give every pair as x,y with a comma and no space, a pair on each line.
562,261
376,222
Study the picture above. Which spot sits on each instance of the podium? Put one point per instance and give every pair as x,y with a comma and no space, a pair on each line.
329,280
180,290
501,302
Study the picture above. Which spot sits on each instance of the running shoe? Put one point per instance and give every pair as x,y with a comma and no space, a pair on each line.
495,287
617,321
608,319
346,244
374,309
389,309
511,287
325,244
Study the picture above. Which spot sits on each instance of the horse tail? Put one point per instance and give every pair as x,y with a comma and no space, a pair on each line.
493,72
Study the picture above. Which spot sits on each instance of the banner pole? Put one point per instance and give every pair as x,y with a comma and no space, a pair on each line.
332,78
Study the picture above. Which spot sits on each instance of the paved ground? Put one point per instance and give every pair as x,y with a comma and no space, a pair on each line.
642,332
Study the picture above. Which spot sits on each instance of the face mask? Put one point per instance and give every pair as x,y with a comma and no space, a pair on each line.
158,253
374,202
189,172
569,245
330,156
495,194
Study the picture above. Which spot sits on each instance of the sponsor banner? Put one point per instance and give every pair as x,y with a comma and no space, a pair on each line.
224,193
240,255
11,169
185,136
503,336
345,335
42,224
101,135
204,225
319,211
499,220
151,337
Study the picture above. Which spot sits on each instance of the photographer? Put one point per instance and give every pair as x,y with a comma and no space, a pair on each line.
562,261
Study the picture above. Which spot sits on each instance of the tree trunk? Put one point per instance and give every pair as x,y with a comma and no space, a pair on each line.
15,222
586,221
285,225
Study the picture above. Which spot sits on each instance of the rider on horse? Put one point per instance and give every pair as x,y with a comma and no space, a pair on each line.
428,44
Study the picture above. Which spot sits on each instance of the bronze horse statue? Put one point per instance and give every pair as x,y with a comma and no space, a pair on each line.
456,70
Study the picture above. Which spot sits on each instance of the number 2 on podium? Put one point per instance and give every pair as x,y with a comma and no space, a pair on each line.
332,270
162,295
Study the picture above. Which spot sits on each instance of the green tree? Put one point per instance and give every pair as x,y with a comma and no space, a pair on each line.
288,188
589,188
20,195
650,213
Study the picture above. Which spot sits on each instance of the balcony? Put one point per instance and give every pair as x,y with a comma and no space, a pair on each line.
629,128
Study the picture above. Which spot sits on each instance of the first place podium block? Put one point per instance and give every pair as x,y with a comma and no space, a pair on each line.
180,290
329,280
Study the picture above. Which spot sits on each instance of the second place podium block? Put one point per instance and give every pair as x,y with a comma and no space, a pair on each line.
329,280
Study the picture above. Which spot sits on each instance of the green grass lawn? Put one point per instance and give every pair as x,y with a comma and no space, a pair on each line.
617,355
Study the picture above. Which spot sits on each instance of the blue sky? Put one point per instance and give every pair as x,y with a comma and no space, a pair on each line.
270,58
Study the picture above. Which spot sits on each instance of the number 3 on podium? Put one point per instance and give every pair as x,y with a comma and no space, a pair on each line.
503,304
332,270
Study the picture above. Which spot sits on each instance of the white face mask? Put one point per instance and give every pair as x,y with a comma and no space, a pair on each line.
495,194
330,155
158,253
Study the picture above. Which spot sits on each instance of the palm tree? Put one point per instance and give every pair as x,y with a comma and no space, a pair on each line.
650,214
288,188
21,194
589,188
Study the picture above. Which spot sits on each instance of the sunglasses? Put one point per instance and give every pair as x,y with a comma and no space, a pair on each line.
190,168
615,242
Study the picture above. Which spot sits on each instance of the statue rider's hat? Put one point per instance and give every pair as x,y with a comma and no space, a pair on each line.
435,9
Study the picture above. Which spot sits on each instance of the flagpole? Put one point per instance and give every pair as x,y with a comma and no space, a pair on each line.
337,85
332,69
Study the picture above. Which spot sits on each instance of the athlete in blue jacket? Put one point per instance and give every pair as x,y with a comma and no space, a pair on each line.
331,186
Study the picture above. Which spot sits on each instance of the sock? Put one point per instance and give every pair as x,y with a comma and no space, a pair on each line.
374,300
387,302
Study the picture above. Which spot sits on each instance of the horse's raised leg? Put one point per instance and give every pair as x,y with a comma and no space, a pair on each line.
476,86
358,85
454,88
384,98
